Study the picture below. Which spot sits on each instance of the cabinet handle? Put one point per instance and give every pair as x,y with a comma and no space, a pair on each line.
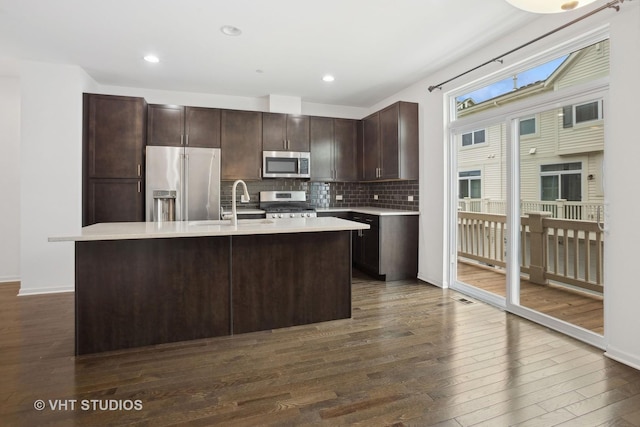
181,139
368,220
187,139
139,187
139,169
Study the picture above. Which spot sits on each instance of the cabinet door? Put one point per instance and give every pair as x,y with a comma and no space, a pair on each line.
389,155
283,132
114,131
371,147
241,142
297,133
274,132
322,168
202,127
165,125
345,153
371,249
114,200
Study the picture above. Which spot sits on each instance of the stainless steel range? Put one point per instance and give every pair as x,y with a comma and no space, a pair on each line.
286,204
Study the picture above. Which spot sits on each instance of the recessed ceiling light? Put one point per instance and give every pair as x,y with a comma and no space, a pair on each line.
328,78
230,30
152,58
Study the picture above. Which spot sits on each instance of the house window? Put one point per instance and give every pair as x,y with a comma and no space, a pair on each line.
469,184
561,181
581,113
473,138
528,126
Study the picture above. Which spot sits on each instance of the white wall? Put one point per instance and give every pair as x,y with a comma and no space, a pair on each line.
50,173
622,154
155,96
9,178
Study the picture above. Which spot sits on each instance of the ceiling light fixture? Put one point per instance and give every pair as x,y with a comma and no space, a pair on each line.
152,58
548,6
328,78
230,30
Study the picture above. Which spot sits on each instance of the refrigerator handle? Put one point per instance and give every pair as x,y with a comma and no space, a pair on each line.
185,209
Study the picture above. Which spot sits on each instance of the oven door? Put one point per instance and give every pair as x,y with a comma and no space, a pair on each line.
285,164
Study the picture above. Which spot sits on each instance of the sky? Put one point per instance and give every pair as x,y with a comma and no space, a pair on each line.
532,75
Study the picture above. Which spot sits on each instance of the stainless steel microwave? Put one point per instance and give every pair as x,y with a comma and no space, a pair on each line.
286,164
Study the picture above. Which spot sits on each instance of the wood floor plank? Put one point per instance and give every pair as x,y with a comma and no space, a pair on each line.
412,354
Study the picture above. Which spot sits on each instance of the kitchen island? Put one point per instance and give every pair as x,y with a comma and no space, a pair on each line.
147,283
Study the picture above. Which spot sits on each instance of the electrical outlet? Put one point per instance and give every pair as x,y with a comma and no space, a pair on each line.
375,197
410,198
338,197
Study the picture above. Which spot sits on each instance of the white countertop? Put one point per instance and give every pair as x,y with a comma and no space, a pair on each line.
370,210
158,230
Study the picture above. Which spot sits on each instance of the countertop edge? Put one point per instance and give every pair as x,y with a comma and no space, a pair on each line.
137,231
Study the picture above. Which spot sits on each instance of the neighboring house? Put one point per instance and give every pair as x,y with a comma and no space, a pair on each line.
561,150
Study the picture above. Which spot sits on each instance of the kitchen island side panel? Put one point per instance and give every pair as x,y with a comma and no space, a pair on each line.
283,280
132,293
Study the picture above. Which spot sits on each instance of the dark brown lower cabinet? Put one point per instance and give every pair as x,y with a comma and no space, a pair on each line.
282,280
389,249
132,293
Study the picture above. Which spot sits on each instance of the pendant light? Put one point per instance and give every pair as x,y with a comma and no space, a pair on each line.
549,6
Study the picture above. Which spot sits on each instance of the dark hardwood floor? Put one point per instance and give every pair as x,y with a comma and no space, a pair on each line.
412,355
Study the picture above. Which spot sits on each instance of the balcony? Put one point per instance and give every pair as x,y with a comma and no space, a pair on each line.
561,254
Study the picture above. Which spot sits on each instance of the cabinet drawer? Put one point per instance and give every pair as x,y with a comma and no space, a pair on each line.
372,220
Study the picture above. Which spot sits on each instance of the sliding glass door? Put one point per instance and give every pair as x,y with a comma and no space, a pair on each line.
527,194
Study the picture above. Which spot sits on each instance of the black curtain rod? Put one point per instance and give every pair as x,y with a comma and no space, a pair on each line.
612,4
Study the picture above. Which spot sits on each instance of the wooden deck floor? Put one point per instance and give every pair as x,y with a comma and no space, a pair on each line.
578,308
412,355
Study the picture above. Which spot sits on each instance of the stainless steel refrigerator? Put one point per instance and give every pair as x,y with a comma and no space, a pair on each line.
187,177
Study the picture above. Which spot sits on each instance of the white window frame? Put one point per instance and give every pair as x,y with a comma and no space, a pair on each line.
590,121
473,138
558,173
469,179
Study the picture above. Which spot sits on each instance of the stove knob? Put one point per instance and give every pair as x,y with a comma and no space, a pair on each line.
292,215
308,215
279,215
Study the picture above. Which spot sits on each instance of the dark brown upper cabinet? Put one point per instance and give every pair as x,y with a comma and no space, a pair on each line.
114,132
114,136
241,141
177,126
333,149
391,143
285,132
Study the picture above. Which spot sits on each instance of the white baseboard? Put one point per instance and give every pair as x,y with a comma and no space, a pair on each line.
623,357
44,291
7,279
433,282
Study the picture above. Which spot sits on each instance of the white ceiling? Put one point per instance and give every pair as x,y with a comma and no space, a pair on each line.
374,48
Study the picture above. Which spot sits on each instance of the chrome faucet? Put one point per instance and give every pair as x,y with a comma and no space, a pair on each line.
243,199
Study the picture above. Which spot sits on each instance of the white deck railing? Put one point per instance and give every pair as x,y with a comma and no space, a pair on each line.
561,209
563,251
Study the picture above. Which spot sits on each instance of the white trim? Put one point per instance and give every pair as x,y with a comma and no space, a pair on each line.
9,279
432,282
480,294
561,326
623,357
44,291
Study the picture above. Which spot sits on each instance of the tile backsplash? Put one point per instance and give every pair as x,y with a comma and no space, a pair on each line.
390,194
